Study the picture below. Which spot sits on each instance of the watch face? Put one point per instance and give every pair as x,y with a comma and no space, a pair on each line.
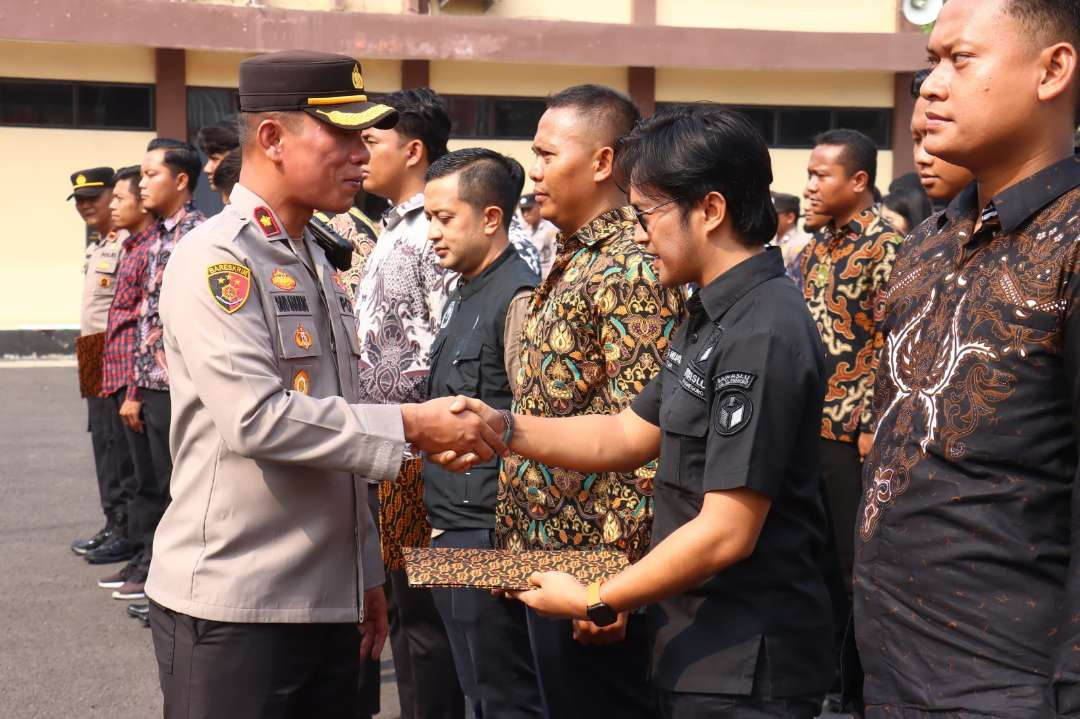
602,615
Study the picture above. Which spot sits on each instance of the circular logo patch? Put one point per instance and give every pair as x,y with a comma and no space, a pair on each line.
302,337
732,412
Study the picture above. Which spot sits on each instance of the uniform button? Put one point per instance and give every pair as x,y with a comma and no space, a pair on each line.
693,337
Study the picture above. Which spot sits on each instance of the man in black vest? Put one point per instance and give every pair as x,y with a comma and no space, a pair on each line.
469,199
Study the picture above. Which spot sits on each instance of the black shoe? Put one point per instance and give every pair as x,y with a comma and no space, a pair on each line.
140,612
116,549
82,546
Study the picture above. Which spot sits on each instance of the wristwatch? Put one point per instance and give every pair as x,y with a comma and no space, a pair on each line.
599,613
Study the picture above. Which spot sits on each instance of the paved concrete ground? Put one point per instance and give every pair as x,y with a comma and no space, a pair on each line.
66,648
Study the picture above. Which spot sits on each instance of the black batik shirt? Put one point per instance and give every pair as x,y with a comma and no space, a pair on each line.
739,405
965,599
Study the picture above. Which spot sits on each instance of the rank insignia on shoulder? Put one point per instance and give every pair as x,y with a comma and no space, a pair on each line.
230,285
302,337
301,382
732,412
266,221
282,280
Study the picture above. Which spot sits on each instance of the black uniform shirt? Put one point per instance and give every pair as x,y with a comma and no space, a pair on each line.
739,404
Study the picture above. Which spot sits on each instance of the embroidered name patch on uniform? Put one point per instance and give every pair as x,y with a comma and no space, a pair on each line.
282,280
230,285
301,382
732,412
733,379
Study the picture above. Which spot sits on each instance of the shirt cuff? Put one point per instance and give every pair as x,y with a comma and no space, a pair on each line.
132,393
382,423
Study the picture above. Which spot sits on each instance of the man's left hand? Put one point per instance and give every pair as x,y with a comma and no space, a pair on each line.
585,632
374,628
557,595
866,443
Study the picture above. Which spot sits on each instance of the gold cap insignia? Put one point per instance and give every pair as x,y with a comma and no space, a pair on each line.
80,180
357,78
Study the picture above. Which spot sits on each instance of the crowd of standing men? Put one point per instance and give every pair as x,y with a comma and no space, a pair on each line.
839,458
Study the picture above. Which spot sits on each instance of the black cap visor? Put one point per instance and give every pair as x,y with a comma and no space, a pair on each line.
355,115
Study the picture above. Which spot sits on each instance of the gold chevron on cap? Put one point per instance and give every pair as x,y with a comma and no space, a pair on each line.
338,100
352,119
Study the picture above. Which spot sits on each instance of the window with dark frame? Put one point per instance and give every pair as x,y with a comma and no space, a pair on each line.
76,105
795,127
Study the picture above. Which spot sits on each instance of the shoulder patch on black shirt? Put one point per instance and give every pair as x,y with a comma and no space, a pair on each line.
733,379
732,412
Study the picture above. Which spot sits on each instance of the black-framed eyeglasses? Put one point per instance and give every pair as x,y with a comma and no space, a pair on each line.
641,214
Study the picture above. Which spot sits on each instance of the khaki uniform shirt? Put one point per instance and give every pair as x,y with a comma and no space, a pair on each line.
99,282
269,521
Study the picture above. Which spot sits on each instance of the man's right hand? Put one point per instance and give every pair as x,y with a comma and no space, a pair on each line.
435,427
129,415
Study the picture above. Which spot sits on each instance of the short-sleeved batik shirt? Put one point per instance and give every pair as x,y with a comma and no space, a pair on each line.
597,329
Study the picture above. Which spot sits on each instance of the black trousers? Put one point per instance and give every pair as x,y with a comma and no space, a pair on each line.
489,638
683,705
112,457
423,662
592,681
225,670
841,472
153,466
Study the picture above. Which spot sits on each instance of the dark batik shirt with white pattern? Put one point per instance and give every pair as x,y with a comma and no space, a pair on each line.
966,600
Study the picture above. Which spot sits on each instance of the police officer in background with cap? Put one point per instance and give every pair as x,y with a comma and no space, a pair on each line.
92,192
268,559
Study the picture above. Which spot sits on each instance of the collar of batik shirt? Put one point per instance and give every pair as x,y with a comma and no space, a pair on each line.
392,217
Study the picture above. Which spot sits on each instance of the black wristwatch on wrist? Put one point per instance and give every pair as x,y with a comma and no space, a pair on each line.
599,613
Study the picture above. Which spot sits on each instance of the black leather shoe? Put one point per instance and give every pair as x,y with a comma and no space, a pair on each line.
140,612
116,549
82,546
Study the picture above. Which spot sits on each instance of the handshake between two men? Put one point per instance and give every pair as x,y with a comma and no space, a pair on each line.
456,432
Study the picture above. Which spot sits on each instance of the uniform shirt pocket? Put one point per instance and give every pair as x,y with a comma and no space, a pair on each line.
462,358
299,336
686,422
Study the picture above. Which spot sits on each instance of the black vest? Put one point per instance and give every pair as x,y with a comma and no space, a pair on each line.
467,359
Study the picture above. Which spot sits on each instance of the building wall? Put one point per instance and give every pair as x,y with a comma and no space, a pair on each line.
43,245
799,15
207,68
613,11
62,61
848,89
455,77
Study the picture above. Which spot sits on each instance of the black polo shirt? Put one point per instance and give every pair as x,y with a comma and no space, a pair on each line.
739,404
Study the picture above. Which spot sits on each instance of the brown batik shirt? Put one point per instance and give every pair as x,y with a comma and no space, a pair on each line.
966,600
843,271
596,333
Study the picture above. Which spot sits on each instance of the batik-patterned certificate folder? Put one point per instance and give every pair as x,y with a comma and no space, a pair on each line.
500,569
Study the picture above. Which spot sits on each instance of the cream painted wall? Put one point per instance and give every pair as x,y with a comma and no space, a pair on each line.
73,61
846,89
44,249
789,170
805,15
455,77
613,11
220,69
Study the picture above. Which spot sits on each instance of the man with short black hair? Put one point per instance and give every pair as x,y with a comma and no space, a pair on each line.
596,333
170,171
967,574
844,269
227,174
732,576
118,377
469,199
399,300
216,141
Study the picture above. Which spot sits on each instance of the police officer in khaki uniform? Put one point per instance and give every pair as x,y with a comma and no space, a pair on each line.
92,190
268,558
